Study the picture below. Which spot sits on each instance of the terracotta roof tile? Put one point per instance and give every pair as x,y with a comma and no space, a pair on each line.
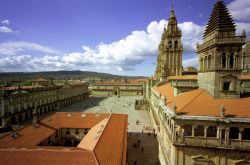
184,77
27,137
111,147
245,77
73,120
46,156
199,103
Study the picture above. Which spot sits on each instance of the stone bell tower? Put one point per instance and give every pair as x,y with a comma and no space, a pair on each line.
220,56
169,61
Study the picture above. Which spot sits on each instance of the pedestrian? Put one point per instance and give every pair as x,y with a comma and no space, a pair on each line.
138,141
135,162
142,131
142,149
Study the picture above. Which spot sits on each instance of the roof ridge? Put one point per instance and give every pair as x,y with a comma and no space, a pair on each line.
193,99
107,118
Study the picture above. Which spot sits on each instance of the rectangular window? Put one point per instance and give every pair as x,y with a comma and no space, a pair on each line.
226,86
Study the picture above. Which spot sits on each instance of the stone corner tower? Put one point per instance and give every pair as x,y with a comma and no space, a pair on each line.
220,55
169,61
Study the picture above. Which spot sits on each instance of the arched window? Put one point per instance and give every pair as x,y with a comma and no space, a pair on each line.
176,44
209,62
169,44
246,134
223,60
187,130
212,131
234,133
231,60
205,63
199,130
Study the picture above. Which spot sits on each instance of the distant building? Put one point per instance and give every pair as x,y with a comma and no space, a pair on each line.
169,61
68,138
17,103
205,119
119,88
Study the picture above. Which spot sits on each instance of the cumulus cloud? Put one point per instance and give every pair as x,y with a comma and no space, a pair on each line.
240,10
6,22
122,55
14,48
5,29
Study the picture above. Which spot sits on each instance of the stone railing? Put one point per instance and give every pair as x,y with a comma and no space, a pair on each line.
222,40
213,143
187,83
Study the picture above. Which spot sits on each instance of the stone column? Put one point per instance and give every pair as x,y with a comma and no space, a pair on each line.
219,134
240,133
193,127
205,131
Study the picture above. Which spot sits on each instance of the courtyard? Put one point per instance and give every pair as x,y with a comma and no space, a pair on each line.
142,146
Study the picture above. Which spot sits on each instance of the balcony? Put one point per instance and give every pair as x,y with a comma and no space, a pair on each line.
222,40
213,143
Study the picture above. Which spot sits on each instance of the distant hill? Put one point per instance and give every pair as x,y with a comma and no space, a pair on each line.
59,75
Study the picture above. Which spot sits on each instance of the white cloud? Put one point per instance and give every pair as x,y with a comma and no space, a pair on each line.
6,22
14,48
122,55
200,15
240,10
5,29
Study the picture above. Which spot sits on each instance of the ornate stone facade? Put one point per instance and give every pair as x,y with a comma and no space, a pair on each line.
17,104
220,55
204,119
169,61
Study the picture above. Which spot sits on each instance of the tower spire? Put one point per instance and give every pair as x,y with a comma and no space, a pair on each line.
172,11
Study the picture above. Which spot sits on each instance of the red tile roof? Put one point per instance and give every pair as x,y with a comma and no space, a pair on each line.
73,120
245,77
28,136
129,82
184,77
46,157
199,103
109,148
113,141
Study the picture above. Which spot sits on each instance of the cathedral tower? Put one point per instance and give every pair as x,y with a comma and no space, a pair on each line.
220,57
169,61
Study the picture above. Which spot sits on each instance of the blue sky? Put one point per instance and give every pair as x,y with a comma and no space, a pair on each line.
113,36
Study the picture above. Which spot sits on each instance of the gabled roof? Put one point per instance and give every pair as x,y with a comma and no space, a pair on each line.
220,19
106,143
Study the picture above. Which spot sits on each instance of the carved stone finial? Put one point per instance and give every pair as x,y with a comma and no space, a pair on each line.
222,111
244,33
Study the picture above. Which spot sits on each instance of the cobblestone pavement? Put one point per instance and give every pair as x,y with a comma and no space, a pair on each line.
125,105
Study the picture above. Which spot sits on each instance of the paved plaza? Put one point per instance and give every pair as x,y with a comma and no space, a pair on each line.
142,144
122,105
